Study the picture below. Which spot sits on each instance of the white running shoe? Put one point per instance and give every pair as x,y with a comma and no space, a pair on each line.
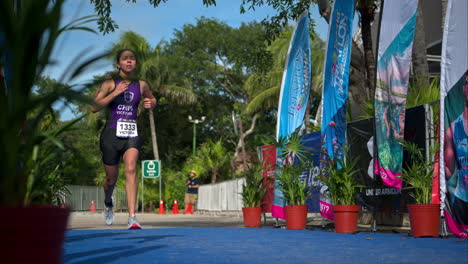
133,223
108,216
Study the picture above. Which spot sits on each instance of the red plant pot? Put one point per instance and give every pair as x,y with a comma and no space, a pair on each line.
296,216
424,219
252,216
346,217
32,234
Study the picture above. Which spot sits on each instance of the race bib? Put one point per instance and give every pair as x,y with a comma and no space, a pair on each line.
126,128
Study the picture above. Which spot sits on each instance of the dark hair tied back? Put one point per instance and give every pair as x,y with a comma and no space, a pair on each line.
119,53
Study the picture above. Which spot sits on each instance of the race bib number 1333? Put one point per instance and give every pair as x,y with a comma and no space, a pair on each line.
126,128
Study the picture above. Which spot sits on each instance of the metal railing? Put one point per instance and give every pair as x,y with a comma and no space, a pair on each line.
81,198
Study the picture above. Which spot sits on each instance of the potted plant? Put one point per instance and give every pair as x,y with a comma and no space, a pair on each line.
253,191
29,30
342,186
296,160
418,176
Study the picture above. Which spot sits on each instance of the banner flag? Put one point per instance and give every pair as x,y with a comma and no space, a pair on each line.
454,119
393,69
268,170
294,95
335,87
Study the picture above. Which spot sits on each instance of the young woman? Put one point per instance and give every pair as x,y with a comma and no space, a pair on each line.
119,138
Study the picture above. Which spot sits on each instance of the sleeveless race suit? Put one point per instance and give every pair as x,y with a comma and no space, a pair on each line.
124,106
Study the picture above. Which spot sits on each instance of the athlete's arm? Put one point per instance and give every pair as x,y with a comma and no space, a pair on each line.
449,153
149,101
106,93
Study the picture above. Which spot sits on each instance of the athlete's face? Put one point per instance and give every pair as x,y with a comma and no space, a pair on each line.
127,61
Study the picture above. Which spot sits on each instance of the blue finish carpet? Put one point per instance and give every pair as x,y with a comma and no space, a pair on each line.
256,245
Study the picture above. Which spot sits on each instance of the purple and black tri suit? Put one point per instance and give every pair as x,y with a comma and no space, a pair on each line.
124,106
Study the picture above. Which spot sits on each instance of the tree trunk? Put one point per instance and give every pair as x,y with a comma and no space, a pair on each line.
324,9
443,5
214,175
367,16
153,135
241,132
420,66
239,144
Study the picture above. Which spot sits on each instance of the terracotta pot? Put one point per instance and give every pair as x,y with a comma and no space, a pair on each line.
346,217
33,234
424,219
252,216
296,216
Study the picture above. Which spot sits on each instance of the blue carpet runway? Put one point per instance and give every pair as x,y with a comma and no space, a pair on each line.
256,245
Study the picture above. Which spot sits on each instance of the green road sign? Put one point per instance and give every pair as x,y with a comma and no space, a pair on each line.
151,168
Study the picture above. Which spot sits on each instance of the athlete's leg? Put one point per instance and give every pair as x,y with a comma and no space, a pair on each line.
130,158
112,172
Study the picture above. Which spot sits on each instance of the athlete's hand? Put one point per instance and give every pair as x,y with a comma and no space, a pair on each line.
148,103
121,87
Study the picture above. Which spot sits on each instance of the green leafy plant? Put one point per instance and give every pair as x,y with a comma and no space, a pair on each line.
30,31
296,159
339,177
253,190
417,175
295,190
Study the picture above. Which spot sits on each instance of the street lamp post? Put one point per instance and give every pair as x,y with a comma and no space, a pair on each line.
195,122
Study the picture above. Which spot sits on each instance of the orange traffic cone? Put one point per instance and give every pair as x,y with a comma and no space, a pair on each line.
188,209
175,208
93,208
161,207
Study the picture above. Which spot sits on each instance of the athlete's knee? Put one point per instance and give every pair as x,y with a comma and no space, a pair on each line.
111,181
130,169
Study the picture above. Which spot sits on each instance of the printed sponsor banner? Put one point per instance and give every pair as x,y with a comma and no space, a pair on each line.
376,196
454,119
311,141
294,95
335,83
393,69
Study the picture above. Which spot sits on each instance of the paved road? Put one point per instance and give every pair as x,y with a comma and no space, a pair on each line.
94,220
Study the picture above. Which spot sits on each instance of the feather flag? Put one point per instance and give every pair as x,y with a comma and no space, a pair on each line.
335,88
393,69
294,95
454,118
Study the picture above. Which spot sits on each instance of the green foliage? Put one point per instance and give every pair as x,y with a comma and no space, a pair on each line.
30,33
174,188
211,161
339,177
253,190
418,174
420,92
294,189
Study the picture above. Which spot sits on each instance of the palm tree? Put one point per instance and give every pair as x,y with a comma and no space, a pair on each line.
213,156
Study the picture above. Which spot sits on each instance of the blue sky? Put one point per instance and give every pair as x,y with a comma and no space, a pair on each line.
154,24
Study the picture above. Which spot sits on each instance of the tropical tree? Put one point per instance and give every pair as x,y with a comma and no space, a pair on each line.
214,158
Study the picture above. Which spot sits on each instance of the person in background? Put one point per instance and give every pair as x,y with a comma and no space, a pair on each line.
121,95
192,192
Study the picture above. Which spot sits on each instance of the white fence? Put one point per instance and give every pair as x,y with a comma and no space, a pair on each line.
224,196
